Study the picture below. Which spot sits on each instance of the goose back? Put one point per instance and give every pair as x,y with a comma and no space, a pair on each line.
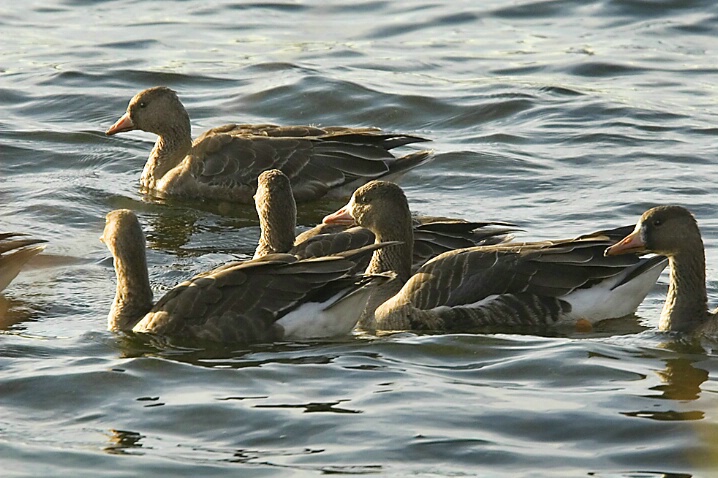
545,283
224,162
539,284
243,302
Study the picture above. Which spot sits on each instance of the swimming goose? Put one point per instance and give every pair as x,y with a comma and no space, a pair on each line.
15,250
522,284
224,162
277,297
432,235
672,231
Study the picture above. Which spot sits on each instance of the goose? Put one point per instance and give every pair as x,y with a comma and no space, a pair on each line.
277,213
549,283
276,297
15,250
672,231
224,162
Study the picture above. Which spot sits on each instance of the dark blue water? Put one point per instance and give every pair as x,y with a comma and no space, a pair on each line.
563,117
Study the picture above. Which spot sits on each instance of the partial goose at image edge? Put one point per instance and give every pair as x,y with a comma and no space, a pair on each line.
672,231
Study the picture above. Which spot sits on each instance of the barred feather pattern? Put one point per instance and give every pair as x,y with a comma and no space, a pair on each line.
510,310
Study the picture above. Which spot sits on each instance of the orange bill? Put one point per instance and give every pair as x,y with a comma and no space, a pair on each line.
340,217
123,124
630,243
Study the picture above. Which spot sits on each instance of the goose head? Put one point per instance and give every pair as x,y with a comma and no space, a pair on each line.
123,234
672,231
666,230
382,207
156,110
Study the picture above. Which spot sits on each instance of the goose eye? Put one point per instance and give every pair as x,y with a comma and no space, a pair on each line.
142,104
657,222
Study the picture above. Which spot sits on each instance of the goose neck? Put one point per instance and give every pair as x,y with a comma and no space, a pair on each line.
686,303
170,149
133,295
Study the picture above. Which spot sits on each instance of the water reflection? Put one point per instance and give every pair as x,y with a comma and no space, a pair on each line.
184,227
315,407
250,456
681,381
39,271
170,231
124,442
188,233
13,311
640,474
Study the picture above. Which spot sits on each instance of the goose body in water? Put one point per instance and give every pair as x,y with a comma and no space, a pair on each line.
277,213
507,285
672,231
277,297
224,162
15,250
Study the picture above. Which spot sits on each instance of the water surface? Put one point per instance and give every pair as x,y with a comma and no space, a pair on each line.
563,117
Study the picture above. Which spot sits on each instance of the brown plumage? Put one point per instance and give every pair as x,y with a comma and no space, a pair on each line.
224,162
15,250
672,231
272,298
432,235
544,283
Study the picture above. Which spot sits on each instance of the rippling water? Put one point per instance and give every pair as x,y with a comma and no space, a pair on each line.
563,117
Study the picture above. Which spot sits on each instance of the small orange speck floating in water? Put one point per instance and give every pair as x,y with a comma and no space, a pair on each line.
584,326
